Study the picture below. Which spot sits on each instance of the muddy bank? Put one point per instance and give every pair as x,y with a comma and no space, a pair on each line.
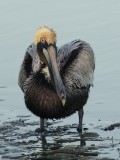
20,140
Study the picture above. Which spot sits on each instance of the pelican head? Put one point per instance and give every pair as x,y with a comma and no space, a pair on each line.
45,40
45,34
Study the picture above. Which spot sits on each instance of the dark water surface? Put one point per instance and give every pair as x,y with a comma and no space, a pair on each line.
96,22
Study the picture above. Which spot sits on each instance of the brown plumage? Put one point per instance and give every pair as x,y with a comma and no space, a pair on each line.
56,83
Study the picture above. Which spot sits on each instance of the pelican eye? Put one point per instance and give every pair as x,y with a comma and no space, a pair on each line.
42,40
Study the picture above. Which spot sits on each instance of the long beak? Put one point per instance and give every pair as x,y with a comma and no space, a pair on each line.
50,55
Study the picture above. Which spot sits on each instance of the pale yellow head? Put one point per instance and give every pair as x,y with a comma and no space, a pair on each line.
45,34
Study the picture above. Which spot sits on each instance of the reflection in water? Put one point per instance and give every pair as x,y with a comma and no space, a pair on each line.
58,144
44,141
82,140
63,142
58,150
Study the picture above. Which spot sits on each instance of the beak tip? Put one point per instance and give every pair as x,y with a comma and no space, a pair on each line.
63,102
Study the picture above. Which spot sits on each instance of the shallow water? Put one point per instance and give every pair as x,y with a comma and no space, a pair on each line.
96,22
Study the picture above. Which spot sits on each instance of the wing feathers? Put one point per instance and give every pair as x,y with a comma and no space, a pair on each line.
80,57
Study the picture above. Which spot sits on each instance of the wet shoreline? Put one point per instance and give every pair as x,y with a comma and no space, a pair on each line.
19,140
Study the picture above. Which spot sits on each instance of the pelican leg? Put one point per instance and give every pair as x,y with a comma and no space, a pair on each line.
80,114
42,129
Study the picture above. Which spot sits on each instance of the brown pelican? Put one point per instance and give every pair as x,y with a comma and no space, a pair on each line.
56,82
